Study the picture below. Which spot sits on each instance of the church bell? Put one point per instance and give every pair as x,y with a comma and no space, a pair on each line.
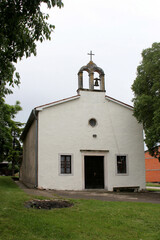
96,84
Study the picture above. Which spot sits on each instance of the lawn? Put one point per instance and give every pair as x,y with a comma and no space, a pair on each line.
152,185
86,220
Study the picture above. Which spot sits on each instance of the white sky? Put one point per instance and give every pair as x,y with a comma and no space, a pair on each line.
116,31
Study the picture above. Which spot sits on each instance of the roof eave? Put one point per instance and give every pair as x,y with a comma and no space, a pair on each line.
32,117
40,108
119,102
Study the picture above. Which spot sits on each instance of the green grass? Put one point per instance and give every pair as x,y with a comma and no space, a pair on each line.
152,185
153,190
87,220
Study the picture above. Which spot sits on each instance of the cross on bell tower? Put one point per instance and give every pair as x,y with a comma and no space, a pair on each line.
91,54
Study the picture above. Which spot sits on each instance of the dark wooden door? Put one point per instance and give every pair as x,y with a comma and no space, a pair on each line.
94,172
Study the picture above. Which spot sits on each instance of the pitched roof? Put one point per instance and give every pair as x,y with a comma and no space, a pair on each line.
38,108
119,102
35,111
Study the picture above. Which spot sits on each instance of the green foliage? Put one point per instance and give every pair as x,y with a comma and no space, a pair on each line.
146,88
22,24
10,131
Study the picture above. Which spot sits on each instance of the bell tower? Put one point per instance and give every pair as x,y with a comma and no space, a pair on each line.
91,68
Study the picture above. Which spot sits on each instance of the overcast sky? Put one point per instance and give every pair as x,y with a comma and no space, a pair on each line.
116,31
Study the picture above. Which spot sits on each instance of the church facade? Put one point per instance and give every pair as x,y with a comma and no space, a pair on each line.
88,141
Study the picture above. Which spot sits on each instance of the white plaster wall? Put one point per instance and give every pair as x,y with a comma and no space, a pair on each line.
64,129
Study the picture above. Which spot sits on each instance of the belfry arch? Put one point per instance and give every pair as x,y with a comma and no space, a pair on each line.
92,68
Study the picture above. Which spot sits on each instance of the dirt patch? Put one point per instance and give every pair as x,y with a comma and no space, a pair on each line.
47,204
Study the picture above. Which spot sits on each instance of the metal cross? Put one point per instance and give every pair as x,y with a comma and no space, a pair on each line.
91,54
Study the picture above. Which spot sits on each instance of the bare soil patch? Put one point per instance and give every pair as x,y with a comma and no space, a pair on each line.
47,204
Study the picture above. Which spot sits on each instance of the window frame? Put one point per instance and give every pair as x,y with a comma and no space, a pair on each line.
127,172
71,167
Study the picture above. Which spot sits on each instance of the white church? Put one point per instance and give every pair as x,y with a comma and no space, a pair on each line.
87,141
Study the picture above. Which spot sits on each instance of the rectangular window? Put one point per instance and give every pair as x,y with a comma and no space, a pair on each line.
121,165
65,164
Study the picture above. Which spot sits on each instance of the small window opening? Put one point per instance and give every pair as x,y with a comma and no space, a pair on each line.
92,122
65,164
121,164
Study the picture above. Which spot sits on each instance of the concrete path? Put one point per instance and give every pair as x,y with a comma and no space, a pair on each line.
156,188
149,197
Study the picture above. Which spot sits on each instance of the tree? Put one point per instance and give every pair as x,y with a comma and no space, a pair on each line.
15,150
22,24
10,131
146,88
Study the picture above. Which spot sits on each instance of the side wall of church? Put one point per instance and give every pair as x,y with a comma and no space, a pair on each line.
64,130
27,172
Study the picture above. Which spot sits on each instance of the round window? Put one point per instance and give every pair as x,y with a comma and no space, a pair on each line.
92,122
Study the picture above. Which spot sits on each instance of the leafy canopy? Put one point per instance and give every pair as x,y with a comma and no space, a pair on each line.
22,23
146,88
10,132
